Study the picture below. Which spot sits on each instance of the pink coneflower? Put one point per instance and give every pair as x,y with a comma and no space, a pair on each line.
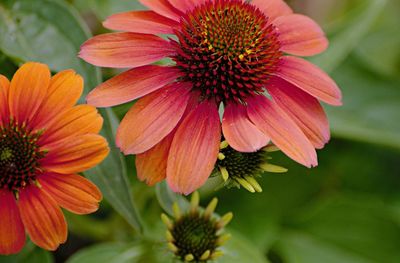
229,53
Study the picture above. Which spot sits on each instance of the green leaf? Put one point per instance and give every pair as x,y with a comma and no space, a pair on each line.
350,229
51,32
105,253
240,249
166,198
371,104
30,253
343,43
105,8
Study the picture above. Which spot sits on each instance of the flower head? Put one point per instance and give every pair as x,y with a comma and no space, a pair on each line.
242,168
234,54
44,142
196,235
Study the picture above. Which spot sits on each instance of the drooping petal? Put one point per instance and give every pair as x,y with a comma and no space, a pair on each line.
75,154
79,120
72,192
151,166
240,132
12,232
300,35
27,91
284,132
194,149
310,78
304,109
152,118
163,7
65,89
42,218
273,8
131,85
4,111
125,50
146,22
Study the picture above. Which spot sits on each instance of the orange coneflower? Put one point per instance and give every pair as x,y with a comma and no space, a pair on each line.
224,52
44,142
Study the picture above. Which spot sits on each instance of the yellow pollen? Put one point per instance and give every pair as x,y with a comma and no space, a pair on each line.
241,56
210,47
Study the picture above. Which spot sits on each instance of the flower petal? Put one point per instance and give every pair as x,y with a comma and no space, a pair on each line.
79,120
146,22
4,111
72,192
28,89
163,7
12,232
185,5
284,133
152,118
65,90
273,8
151,165
125,50
304,109
240,132
75,154
194,149
300,35
42,217
309,78
131,85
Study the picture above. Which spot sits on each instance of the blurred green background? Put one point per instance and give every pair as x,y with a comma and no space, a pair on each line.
346,210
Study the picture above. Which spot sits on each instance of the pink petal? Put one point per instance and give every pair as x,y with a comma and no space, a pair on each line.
146,22
194,149
152,118
304,109
283,131
240,132
273,8
163,7
12,232
125,50
185,5
300,35
310,78
131,85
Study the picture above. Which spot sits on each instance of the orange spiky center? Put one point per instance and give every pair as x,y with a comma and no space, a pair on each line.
19,156
227,49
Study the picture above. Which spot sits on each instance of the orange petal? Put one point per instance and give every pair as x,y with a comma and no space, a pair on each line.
194,149
12,232
273,8
163,7
300,35
125,50
4,111
146,22
131,84
284,132
241,134
152,118
28,89
151,165
79,120
64,91
72,192
310,78
42,217
75,154
304,109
